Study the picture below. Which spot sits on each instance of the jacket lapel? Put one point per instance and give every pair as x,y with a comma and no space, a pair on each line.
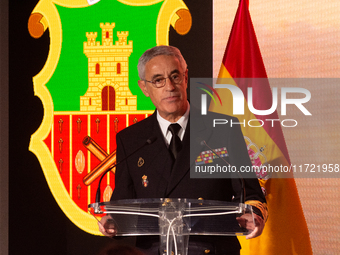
160,156
191,143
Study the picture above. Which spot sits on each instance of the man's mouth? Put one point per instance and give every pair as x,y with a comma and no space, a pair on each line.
171,98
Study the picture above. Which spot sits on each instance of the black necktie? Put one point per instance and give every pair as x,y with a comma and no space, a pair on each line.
175,143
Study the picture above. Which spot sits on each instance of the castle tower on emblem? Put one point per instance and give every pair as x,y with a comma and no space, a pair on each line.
108,72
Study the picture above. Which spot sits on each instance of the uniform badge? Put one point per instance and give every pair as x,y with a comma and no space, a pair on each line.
140,162
145,181
207,157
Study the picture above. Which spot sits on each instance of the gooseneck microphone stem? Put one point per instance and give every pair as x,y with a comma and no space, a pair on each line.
243,190
98,193
148,141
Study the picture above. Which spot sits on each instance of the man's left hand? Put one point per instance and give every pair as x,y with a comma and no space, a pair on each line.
257,226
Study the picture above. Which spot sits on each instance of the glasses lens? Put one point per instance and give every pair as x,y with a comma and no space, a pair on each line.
159,82
176,78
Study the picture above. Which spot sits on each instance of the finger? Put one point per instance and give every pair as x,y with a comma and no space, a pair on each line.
106,232
259,225
110,231
101,228
253,234
241,222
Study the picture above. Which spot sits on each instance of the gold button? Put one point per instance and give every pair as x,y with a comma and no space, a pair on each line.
206,251
200,198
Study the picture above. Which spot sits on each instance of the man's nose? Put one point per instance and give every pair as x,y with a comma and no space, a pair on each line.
169,85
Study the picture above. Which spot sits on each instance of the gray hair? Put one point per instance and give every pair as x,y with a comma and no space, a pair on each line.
158,51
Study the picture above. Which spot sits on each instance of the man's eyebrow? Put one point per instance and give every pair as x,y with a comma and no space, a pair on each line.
175,71
161,75
156,76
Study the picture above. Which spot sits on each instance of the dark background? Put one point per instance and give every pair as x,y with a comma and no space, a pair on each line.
36,223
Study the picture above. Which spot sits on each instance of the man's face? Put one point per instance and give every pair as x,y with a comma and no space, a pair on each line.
170,100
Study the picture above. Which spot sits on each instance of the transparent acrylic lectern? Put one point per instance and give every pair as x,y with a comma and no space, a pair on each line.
174,220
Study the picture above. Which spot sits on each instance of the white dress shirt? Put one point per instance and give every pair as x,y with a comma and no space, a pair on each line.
164,125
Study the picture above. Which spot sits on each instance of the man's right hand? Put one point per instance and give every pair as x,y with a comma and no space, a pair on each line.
107,227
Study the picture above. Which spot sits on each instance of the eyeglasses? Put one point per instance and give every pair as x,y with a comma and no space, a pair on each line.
175,78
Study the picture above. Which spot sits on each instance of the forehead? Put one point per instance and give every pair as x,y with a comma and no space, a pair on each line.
162,65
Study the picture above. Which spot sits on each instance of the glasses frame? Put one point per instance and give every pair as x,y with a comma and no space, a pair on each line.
164,81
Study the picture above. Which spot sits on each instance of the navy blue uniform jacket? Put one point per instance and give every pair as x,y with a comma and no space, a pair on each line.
165,181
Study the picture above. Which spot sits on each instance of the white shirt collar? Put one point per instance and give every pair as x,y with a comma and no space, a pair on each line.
164,124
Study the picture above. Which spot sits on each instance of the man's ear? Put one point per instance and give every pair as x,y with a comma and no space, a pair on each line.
142,85
186,78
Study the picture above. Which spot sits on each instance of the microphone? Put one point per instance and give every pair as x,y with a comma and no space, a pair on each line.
148,141
243,190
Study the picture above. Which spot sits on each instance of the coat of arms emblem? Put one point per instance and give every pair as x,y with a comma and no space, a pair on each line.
89,89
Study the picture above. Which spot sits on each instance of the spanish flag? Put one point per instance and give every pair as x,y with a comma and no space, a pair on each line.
286,230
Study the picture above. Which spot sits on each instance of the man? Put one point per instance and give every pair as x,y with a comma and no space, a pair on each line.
157,171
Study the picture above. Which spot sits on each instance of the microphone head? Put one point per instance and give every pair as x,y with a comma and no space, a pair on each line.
200,141
151,139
